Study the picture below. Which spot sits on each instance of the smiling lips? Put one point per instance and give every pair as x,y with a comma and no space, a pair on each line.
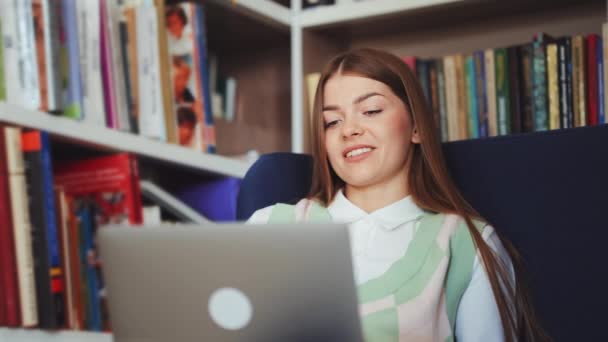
357,153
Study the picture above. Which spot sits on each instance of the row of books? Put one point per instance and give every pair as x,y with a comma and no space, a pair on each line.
549,83
49,268
133,65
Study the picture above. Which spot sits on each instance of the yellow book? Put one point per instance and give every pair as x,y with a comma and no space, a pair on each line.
463,108
579,81
451,94
490,71
553,89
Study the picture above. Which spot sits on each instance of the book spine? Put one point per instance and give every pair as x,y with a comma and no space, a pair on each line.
515,91
562,85
434,96
591,64
22,228
490,70
579,81
473,114
28,52
88,23
422,71
451,96
124,46
136,214
9,288
201,38
482,97
463,120
151,119
600,82
107,68
31,147
73,102
91,281
539,77
552,86
503,103
165,74
443,117
52,17
604,94
39,31
111,26
527,87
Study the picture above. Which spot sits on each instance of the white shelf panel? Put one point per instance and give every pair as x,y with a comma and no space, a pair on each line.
353,11
263,10
30,335
106,138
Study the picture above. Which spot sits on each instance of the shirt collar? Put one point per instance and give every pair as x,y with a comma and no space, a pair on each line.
390,217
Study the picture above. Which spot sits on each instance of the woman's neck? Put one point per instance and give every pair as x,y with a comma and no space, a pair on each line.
373,197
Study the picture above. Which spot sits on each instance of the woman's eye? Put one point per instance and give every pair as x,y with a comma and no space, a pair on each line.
372,112
331,124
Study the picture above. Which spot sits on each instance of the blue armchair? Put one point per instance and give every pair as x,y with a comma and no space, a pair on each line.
546,192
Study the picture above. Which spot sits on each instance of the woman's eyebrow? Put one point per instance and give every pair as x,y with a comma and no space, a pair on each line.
356,101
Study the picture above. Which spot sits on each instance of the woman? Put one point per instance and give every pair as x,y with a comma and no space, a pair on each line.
426,265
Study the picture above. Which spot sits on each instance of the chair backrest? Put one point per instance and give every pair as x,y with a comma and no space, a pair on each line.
546,192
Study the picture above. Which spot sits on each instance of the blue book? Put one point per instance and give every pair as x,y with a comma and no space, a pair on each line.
600,82
482,100
90,279
201,40
73,104
471,78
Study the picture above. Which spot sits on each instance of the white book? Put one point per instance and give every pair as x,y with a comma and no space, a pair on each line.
230,98
119,86
151,114
51,11
22,227
21,89
88,15
449,70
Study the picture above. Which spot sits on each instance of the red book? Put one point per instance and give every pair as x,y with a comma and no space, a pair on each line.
111,182
9,290
592,92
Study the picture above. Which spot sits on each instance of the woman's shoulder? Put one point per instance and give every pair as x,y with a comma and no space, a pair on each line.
262,216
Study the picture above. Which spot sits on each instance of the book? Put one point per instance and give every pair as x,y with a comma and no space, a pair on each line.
503,102
490,70
462,96
473,110
591,42
539,79
443,115
552,86
22,227
112,181
600,82
72,99
482,97
565,82
9,288
451,93
526,57
51,14
515,88
39,183
604,94
579,83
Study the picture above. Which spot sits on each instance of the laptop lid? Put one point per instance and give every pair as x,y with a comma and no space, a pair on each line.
230,282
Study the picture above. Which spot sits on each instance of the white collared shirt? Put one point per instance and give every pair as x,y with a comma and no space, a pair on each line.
380,238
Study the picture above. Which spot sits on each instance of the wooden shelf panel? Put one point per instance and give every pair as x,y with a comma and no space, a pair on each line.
109,139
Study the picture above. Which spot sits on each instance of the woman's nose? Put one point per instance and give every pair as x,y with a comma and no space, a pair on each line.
351,128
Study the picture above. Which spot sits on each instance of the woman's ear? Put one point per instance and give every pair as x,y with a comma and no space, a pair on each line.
415,136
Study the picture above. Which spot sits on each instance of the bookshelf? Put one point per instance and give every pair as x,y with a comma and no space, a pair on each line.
114,140
270,47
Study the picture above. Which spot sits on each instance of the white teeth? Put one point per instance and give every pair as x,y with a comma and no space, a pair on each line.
357,152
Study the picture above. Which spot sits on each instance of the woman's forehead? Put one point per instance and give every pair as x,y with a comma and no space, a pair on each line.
342,85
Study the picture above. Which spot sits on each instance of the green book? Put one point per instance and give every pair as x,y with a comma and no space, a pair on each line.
473,114
503,107
2,86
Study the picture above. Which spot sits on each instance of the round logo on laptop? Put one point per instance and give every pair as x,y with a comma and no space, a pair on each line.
230,308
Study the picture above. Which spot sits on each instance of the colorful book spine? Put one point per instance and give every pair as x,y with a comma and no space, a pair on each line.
515,88
579,84
482,97
451,93
490,69
600,82
472,98
463,111
591,71
41,204
52,46
552,86
539,78
90,281
73,105
503,102
88,23
22,228
605,69
526,52
565,100
443,115
9,288
201,37
107,67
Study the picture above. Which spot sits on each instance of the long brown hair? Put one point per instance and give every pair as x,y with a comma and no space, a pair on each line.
429,182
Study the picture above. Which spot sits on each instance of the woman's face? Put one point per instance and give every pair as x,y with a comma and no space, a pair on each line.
368,131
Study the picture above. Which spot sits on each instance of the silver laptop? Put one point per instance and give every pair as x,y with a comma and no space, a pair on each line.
230,282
